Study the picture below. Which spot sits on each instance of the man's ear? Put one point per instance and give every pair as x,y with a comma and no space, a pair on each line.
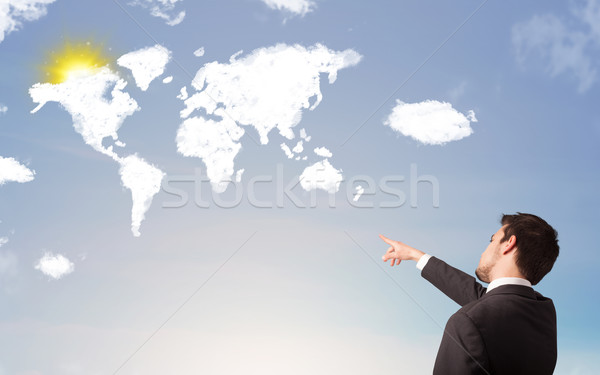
509,245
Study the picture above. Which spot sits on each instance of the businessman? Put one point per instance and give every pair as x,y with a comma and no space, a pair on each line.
507,328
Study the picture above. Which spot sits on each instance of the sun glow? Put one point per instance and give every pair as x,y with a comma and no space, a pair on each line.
74,60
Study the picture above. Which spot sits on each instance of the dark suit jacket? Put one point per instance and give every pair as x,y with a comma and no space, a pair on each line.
510,330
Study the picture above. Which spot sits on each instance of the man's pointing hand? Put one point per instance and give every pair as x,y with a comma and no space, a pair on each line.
398,252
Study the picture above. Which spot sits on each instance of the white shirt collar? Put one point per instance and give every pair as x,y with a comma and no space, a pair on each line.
506,281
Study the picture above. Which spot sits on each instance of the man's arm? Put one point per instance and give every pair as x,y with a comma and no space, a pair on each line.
459,286
454,283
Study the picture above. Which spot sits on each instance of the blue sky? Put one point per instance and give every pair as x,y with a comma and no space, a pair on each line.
290,289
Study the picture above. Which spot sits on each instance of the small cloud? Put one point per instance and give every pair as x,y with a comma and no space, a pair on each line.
290,153
164,9
238,175
12,170
168,79
430,122
359,191
14,12
324,152
199,52
3,109
471,116
3,241
287,151
297,7
298,148
563,46
321,175
183,94
146,64
304,136
55,266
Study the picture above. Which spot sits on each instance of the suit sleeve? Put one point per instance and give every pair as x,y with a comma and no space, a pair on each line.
462,350
454,283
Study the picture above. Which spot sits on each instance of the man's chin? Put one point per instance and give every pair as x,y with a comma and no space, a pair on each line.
482,276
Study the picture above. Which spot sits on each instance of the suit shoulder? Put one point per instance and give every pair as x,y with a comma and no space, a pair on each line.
541,297
503,305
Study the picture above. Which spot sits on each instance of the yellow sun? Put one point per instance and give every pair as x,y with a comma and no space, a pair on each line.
74,59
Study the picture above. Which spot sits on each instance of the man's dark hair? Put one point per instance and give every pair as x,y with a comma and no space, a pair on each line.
537,244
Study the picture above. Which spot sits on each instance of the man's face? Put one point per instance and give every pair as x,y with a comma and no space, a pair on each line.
490,256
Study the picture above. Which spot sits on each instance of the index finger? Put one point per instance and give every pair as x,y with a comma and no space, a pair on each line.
385,239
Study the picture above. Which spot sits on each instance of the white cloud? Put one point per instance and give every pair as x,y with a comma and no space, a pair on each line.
199,52
267,89
299,7
563,45
215,142
359,191
3,109
168,79
12,170
270,87
298,148
164,9
471,116
3,241
287,150
146,64
14,12
304,136
324,152
430,122
183,94
55,266
238,175
143,180
290,153
96,118
321,175
84,97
